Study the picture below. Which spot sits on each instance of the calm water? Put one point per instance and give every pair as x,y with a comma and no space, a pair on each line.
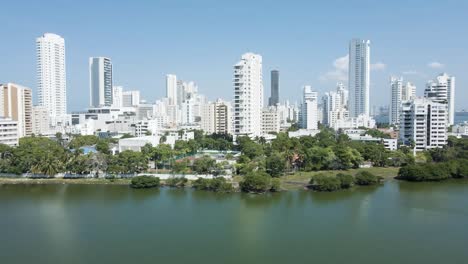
461,117
396,223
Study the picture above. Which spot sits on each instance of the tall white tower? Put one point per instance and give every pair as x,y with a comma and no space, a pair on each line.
100,82
171,88
359,77
442,90
248,95
51,76
396,86
309,111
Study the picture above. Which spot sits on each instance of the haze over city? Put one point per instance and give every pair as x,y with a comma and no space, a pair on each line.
200,41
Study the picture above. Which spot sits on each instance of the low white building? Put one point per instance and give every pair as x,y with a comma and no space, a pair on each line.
360,121
303,133
9,132
390,143
461,129
136,143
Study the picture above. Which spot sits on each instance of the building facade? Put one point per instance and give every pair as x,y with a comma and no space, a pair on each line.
270,120
9,132
248,95
171,88
216,117
442,90
16,104
274,94
100,82
359,77
423,124
309,109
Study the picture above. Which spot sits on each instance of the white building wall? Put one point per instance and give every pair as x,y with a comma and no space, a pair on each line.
51,75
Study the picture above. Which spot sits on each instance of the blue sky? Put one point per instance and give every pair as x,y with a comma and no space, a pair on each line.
201,40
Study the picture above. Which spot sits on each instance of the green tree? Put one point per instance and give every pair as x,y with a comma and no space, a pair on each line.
181,166
275,164
323,183
204,165
346,180
366,178
256,182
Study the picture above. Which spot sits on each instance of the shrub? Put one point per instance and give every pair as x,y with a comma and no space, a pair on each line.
346,180
145,181
323,183
462,170
428,172
218,184
275,185
176,182
256,182
366,178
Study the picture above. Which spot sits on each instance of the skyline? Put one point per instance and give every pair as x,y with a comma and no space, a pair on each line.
198,58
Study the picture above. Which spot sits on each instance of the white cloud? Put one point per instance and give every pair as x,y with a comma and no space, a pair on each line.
435,65
340,71
411,73
378,66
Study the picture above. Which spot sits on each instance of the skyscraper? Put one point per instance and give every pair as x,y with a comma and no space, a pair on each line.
423,123
274,96
100,82
51,76
442,90
248,95
396,86
359,77
400,92
171,88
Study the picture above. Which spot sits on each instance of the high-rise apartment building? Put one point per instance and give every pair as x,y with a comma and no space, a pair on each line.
100,82
51,76
171,88
423,123
216,117
248,95
442,90
274,96
400,92
396,87
359,77
309,111
16,104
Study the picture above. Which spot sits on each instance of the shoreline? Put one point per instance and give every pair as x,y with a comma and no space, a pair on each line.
296,181
41,181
